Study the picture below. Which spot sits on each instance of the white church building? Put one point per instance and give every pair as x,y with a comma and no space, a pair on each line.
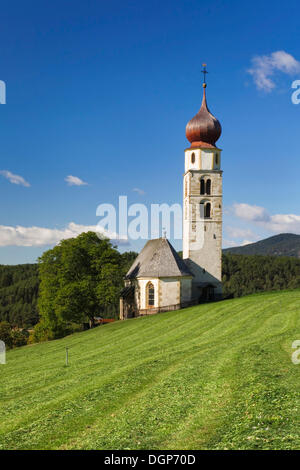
159,280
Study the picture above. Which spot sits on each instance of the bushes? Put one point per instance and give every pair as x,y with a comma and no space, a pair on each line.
19,338
5,334
12,338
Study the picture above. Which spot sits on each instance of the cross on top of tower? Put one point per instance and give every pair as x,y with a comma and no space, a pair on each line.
204,71
204,127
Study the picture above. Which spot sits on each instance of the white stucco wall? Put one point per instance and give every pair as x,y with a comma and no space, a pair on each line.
205,159
188,163
142,283
167,291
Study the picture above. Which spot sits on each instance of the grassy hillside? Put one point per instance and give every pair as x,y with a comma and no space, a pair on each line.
284,244
215,376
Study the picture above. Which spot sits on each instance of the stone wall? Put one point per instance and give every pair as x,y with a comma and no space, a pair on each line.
202,237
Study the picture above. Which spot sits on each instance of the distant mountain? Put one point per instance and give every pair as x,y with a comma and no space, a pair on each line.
285,244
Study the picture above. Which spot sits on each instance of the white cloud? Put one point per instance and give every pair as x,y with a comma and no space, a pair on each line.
285,223
242,236
74,181
236,232
229,243
15,179
278,223
235,243
265,66
141,192
39,236
248,212
246,242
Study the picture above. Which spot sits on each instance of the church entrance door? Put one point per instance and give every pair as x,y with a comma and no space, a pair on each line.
207,294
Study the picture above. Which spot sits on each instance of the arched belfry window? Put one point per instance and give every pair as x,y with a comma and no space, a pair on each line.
150,292
202,186
207,210
193,158
208,186
217,159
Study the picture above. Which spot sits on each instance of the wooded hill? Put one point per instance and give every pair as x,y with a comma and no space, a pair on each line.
285,244
242,275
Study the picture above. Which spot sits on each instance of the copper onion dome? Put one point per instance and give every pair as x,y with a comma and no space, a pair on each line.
204,128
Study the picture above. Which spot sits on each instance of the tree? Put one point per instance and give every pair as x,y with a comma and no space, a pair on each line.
79,279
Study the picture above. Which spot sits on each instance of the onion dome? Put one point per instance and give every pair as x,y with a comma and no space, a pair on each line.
204,129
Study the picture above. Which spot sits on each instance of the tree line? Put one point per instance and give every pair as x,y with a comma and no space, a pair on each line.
247,274
19,288
81,278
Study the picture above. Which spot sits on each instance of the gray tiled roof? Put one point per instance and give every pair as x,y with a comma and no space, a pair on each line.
158,259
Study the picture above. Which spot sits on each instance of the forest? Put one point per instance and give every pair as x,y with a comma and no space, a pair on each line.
247,274
242,275
19,288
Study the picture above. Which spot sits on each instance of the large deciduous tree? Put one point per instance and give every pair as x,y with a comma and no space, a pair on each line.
79,279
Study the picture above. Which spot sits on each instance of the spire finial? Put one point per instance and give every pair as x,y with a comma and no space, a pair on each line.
204,128
204,71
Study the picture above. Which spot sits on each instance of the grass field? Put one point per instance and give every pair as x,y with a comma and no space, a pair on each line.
215,376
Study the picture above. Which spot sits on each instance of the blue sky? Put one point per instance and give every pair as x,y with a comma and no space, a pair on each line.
102,90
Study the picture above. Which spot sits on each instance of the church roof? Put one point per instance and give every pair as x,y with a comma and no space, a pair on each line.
158,259
204,128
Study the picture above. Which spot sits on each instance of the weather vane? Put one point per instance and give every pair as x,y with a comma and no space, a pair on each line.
204,71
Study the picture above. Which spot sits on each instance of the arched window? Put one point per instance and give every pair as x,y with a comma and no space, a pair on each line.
207,210
208,186
202,186
202,211
193,158
150,294
217,159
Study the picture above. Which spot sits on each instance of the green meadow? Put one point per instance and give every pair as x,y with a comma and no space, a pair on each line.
214,376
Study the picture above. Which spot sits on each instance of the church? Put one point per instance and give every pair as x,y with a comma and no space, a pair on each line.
159,279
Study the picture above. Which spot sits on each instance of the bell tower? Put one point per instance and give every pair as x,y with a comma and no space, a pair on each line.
202,220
